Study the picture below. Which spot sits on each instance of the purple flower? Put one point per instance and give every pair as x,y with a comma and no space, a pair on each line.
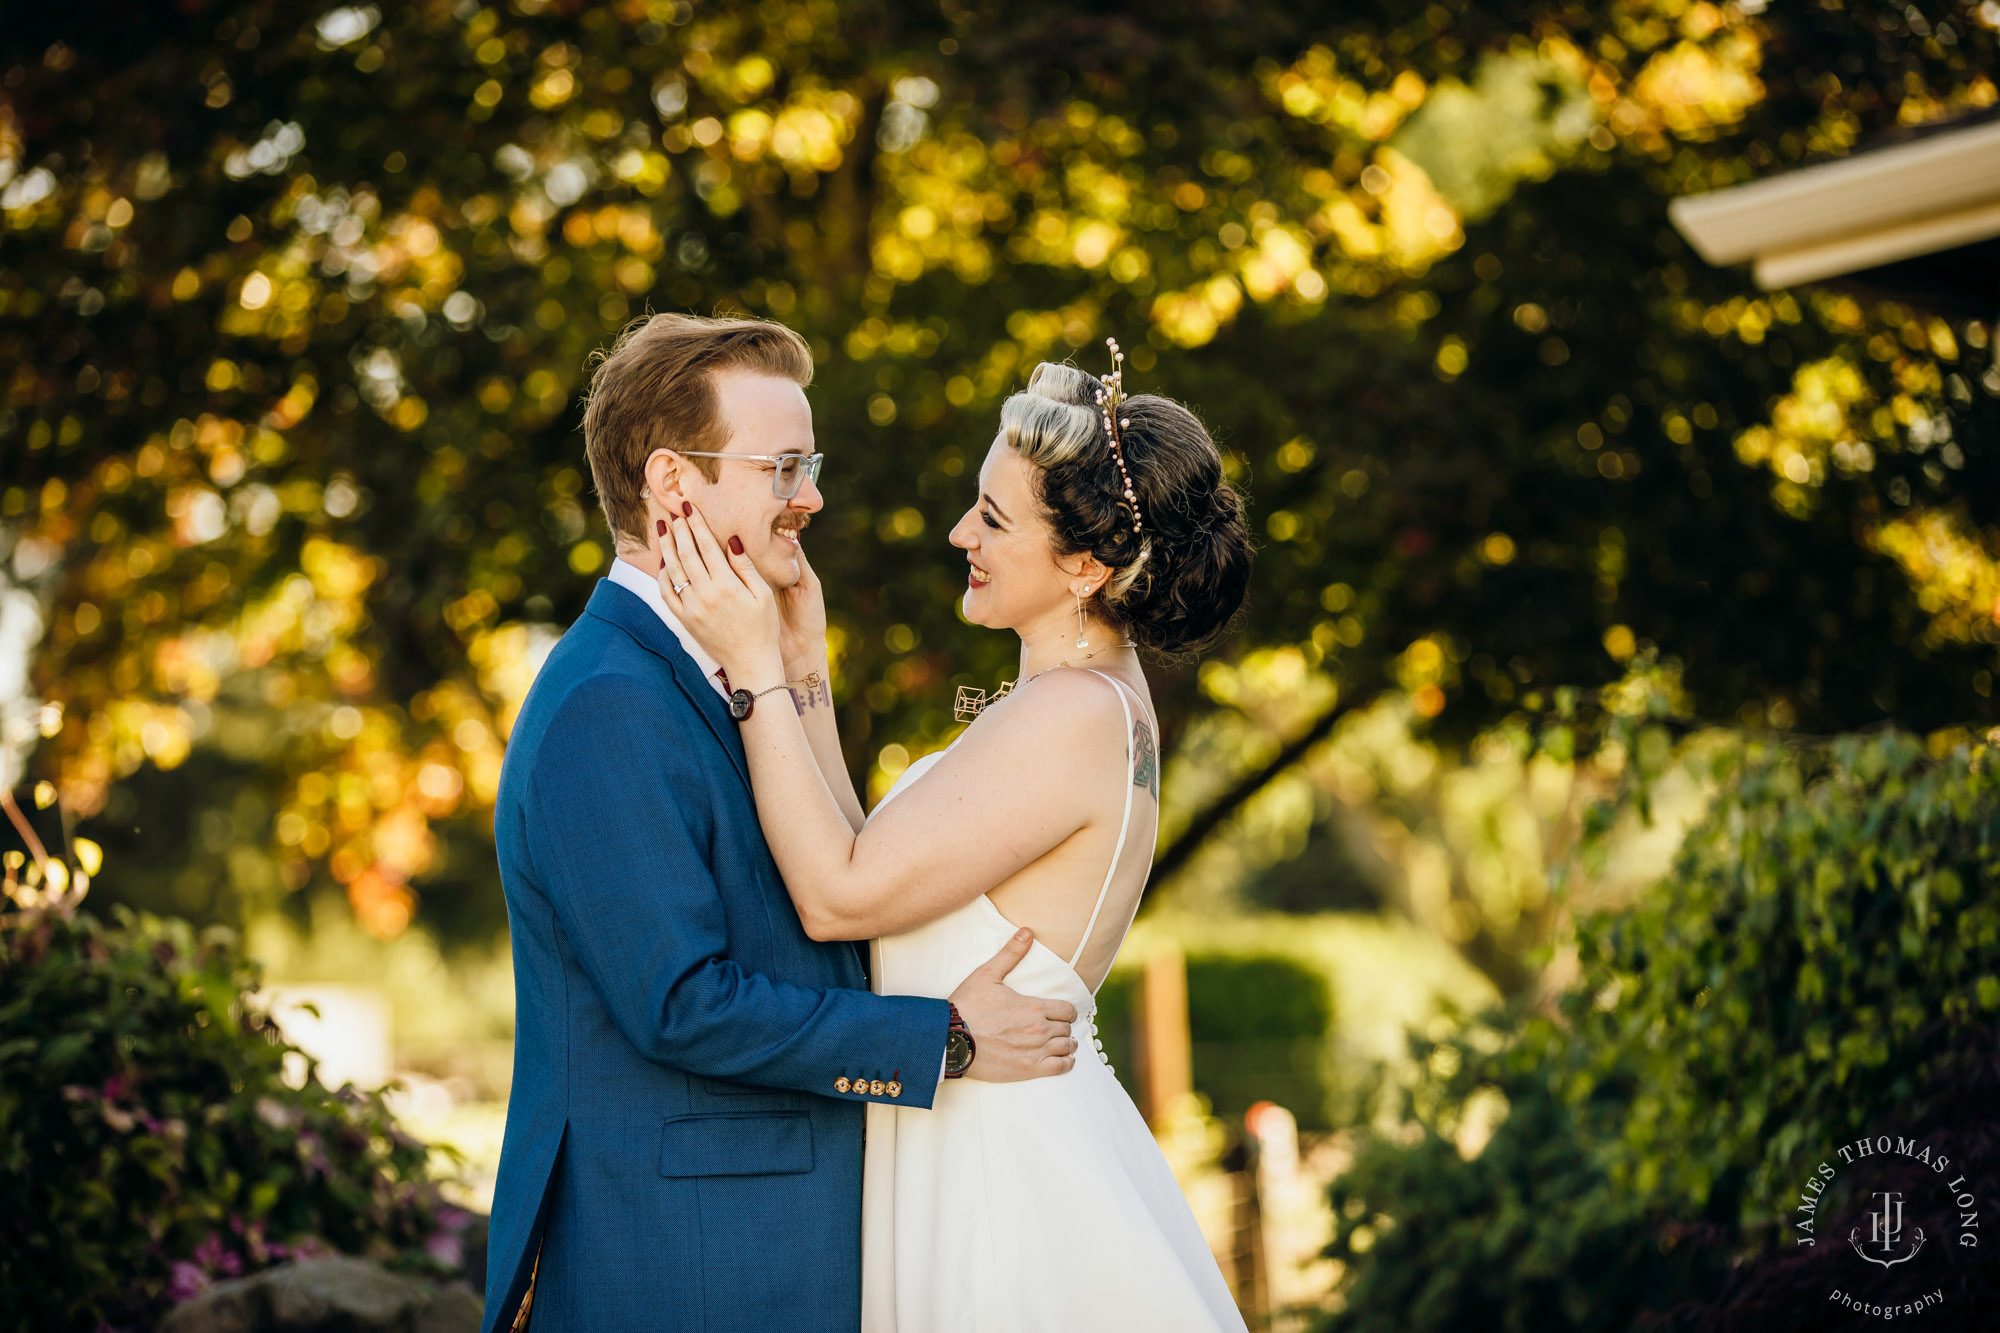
115,1087
310,1247
185,1281
446,1248
253,1240
210,1252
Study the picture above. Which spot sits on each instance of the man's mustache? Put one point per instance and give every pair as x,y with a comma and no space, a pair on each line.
803,522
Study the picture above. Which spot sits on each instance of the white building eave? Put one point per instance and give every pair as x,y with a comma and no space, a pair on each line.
1874,208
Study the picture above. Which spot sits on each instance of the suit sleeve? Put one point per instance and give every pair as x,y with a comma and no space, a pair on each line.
634,894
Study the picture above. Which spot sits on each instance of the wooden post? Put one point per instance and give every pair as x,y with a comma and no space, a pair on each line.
1160,1044
1257,1309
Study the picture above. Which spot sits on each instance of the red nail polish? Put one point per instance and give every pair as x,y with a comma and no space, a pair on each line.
687,509
661,524
736,545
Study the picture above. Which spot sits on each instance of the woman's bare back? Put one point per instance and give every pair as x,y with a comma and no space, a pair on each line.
1057,895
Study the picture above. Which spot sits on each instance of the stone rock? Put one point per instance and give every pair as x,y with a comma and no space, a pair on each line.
452,1310
341,1295
242,1306
333,1295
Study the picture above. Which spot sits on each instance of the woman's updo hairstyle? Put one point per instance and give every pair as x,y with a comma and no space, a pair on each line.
1176,582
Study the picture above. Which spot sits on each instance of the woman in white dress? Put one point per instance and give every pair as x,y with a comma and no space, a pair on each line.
1102,524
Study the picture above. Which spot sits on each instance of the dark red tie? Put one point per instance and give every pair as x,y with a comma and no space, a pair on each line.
723,676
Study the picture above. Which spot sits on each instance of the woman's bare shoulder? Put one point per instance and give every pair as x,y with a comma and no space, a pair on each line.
1067,706
1045,747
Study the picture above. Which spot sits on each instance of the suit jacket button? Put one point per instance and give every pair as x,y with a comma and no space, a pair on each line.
875,1088
895,1088
840,1084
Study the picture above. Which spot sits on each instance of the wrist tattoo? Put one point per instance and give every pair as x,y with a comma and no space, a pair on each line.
814,695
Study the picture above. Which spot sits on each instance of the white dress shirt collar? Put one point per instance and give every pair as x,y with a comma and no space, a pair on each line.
647,589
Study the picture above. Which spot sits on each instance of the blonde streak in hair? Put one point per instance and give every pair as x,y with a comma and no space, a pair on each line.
1052,379
1122,582
1070,388
1045,431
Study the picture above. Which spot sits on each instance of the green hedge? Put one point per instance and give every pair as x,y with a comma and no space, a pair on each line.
1259,1025
1822,963
149,1144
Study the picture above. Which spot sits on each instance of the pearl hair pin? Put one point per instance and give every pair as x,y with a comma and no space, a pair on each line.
1109,398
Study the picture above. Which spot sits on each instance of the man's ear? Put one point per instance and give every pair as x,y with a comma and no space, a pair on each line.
663,474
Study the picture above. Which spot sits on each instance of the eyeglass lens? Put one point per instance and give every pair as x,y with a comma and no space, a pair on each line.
792,471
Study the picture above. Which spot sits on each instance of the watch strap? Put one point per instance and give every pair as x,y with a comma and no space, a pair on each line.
742,703
957,1026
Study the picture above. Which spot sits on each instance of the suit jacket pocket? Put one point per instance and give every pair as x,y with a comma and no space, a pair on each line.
775,1143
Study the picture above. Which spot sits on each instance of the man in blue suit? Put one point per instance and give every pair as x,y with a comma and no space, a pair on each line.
683,1146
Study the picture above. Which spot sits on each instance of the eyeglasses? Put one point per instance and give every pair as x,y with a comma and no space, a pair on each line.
788,471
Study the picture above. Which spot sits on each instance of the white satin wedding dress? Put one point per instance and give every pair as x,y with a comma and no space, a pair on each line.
1037,1207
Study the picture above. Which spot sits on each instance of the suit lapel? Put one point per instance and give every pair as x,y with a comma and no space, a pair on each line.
624,609
621,607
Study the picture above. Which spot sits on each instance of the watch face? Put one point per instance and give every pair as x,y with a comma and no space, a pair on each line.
957,1052
739,704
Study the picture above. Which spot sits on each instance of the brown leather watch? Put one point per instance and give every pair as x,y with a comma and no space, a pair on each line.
959,1048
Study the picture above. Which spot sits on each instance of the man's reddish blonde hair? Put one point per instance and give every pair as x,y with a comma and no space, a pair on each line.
654,389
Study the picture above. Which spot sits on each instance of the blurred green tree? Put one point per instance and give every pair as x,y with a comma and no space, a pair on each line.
296,302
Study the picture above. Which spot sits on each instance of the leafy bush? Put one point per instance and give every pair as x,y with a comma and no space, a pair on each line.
1829,935
1526,1235
1822,963
149,1143
1258,1026
1259,1029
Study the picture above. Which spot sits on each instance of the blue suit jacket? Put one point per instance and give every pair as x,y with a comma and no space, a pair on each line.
675,1144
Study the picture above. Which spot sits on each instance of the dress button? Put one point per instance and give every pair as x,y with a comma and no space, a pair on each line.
895,1089
876,1088
840,1084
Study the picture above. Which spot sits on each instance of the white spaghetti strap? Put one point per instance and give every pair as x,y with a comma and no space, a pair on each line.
1124,827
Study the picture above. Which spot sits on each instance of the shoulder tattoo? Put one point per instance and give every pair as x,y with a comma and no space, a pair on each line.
1145,761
